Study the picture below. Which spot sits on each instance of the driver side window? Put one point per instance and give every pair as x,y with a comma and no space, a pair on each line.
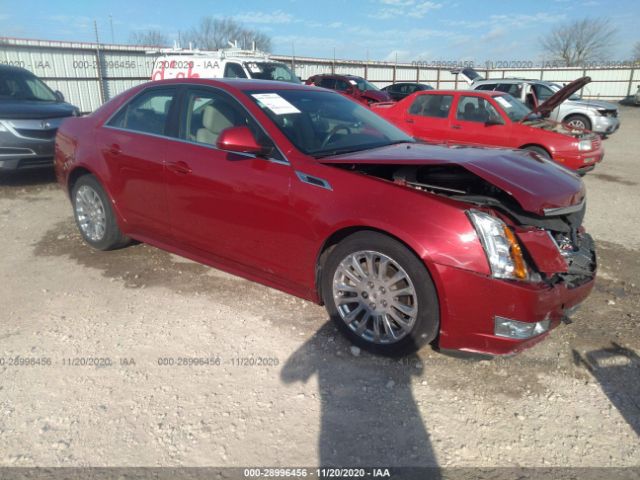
476,109
234,70
208,114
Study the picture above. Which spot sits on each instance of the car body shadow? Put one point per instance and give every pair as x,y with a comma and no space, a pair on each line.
369,417
24,178
617,369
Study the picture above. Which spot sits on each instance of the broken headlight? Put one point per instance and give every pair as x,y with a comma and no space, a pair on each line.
500,245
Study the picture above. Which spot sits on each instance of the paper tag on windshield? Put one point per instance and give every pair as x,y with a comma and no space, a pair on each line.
503,102
275,103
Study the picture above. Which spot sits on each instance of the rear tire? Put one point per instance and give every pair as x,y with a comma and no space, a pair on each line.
578,121
387,323
94,215
539,150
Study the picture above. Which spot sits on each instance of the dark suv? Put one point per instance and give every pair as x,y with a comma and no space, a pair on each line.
398,91
30,114
352,86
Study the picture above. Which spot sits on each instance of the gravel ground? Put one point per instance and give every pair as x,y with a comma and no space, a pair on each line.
570,401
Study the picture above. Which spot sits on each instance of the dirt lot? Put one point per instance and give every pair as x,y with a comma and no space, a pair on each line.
571,401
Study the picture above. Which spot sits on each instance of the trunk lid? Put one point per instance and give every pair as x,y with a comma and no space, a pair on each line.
540,186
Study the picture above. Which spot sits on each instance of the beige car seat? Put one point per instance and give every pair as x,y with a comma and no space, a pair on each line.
215,118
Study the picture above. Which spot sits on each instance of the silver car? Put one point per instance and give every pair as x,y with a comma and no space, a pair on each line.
595,115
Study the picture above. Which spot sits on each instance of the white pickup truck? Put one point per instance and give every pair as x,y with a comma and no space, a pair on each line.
229,63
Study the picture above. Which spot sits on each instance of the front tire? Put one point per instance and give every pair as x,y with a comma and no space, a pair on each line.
94,215
578,121
380,294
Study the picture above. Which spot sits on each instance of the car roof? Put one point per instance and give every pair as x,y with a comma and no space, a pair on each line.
237,83
487,93
512,80
11,68
344,75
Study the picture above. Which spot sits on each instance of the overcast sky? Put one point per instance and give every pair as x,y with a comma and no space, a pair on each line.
356,29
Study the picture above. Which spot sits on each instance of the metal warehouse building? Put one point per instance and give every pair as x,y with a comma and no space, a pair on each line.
88,74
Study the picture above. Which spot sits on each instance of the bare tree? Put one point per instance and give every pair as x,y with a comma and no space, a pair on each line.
636,52
154,38
213,33
580,41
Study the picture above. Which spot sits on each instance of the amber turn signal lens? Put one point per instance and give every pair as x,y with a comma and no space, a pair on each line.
520,267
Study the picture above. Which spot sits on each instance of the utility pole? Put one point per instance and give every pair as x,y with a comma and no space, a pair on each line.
99,64
111,26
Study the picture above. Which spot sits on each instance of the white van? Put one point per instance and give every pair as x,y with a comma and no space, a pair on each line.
230,63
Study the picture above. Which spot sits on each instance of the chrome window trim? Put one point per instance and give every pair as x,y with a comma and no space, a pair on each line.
189,142
105,124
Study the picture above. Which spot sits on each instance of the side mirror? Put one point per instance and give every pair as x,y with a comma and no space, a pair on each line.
240,140
59,96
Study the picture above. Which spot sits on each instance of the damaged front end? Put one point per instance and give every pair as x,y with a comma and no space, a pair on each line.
554,243
527,213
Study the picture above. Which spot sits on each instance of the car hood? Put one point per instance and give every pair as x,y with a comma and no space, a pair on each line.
546,107
600,104
537,184
377,95
28,109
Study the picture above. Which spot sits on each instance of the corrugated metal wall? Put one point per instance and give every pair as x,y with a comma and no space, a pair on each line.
89,74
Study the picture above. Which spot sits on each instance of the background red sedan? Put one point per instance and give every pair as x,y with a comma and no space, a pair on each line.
307,191
491,119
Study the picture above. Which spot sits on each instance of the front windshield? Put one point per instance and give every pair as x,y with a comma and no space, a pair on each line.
362,84
19,85
322,123
514,108
271,71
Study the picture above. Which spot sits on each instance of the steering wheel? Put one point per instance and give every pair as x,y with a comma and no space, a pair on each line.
332,133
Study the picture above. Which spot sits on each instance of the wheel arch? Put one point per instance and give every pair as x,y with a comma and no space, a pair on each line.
81,170
75,174
537,145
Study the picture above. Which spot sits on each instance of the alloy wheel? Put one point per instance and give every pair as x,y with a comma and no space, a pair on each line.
90,213
375,297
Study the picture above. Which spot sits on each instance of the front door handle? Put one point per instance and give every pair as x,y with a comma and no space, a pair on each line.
457,127
115,150
179,167
409,120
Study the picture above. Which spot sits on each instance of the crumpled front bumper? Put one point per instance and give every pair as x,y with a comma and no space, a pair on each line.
470,302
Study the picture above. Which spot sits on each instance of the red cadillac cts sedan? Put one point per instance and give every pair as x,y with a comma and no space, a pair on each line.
497,119
309,192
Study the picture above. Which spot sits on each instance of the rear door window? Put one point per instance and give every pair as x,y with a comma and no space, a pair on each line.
487,86
147,113
513,89
434,106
